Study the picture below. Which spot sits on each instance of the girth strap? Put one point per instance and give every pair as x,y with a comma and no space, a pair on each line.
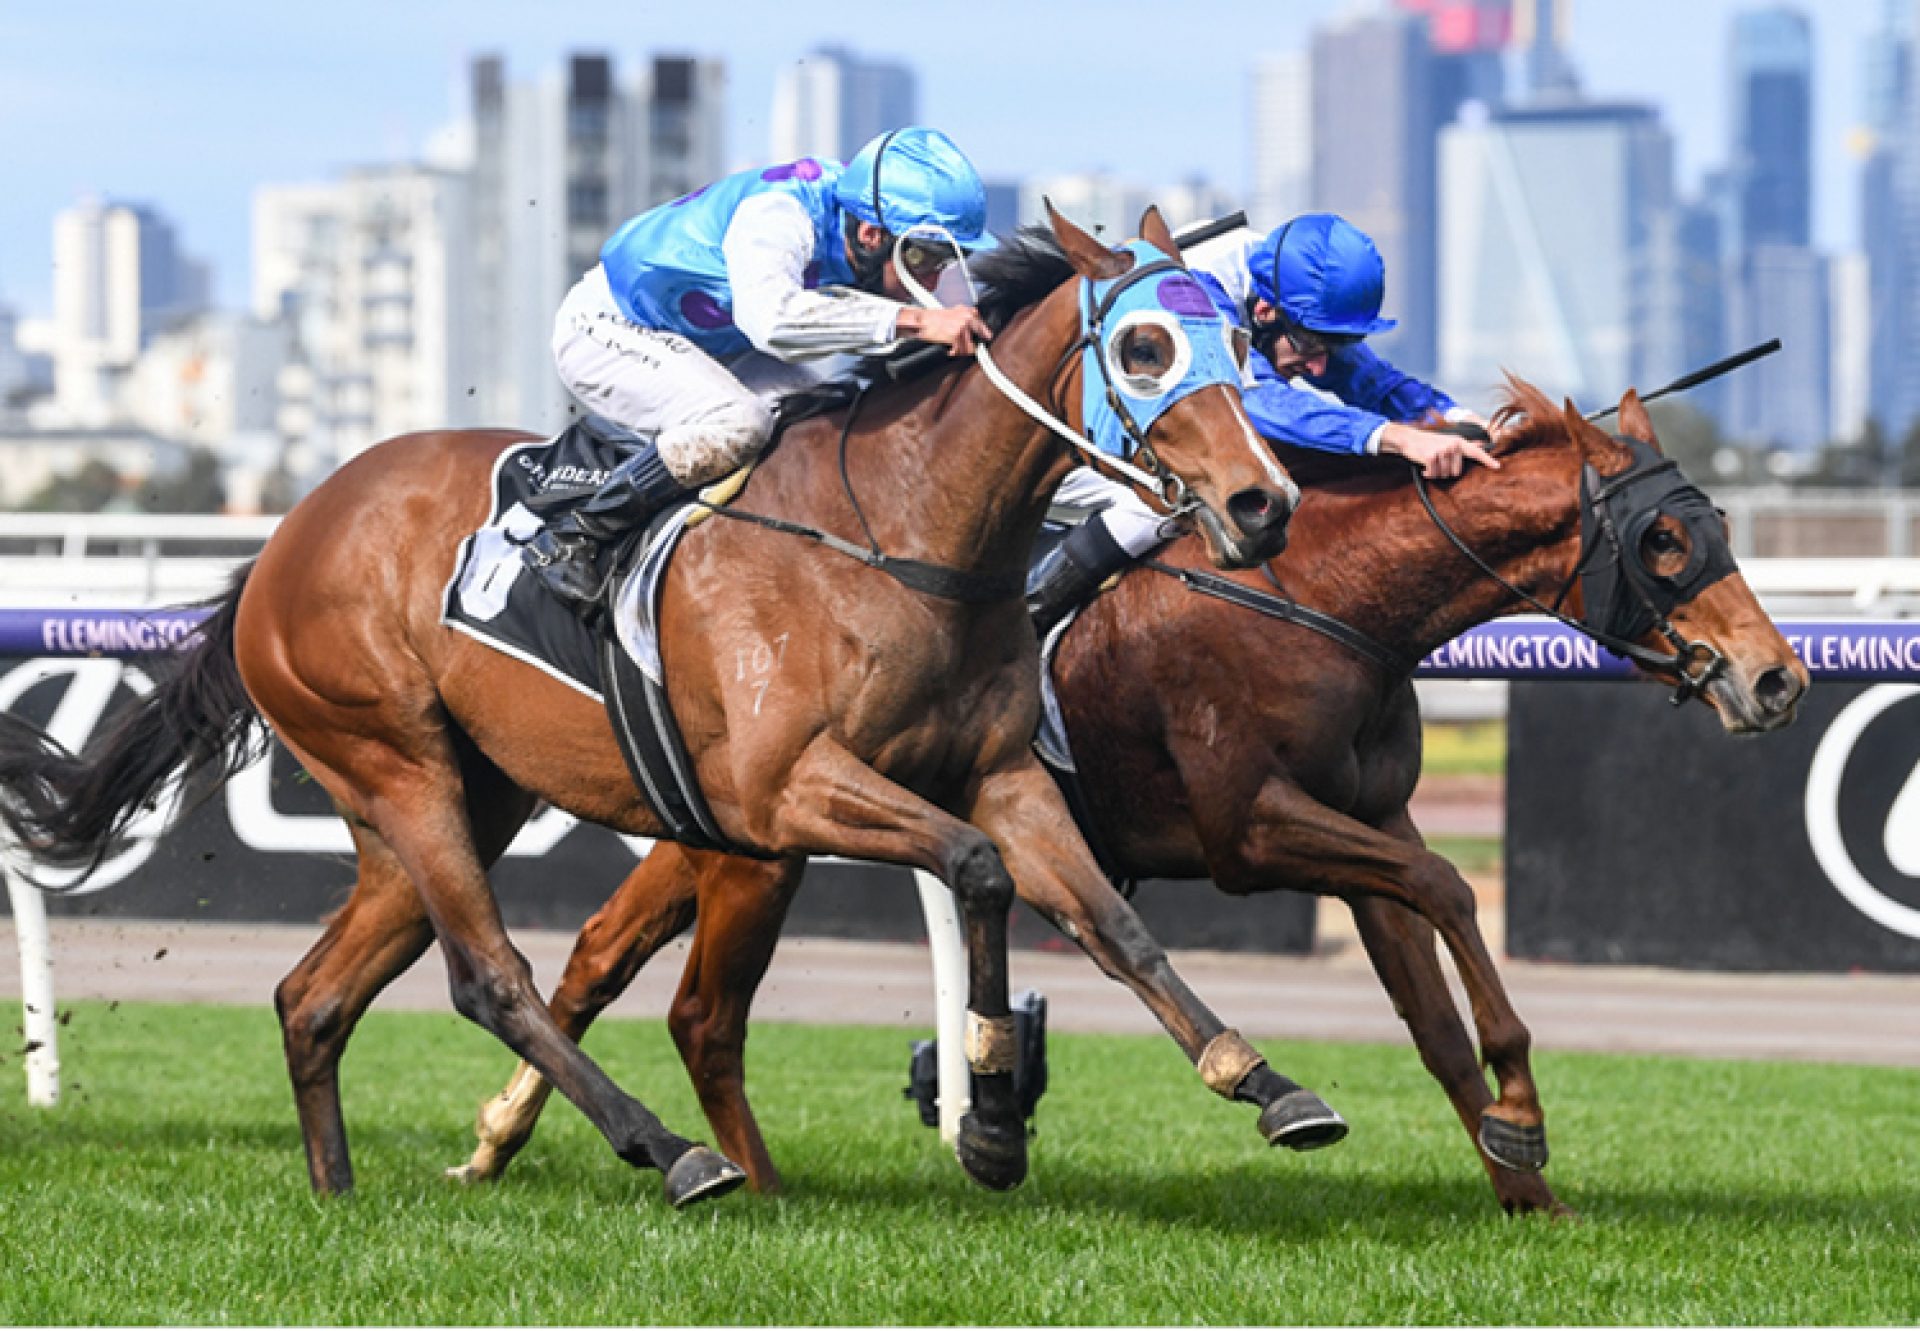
655,755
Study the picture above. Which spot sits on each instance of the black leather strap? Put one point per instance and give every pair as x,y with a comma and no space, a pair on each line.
1287,610
655,755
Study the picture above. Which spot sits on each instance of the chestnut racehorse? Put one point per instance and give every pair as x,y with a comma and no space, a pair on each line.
1214,741
891,725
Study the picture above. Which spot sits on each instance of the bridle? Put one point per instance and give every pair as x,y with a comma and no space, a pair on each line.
1620,599
1150,473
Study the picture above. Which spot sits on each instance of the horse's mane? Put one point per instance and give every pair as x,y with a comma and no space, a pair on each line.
1025,269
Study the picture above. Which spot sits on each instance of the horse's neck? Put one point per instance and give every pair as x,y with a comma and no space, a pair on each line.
1378,561
963,478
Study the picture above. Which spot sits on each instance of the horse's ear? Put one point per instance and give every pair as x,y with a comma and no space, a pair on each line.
1155,231
1088,256
1595,444
1634,421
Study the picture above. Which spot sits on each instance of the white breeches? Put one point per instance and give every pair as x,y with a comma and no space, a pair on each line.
707,419
1128,518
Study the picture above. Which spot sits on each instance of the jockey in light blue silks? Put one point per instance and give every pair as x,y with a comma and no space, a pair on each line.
704,310
1307,294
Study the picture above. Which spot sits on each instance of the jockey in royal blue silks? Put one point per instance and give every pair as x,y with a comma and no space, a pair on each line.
705,310
1307,295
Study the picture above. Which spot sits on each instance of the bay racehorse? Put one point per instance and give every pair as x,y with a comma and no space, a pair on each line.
1214,740
891,724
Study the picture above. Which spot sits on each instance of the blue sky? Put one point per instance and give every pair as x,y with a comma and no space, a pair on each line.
188,105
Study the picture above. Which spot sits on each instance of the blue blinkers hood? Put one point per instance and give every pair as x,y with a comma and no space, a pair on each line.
1120,409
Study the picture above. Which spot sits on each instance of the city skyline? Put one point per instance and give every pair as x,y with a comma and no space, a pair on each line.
216,126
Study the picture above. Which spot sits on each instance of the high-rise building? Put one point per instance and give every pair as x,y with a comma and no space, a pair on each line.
831,102
560,162
1541,29
1773,126
1893,380
1467,37
1850,330
1782,291
1546,219
1282,95
1373,161
1683,320
372,273
119,278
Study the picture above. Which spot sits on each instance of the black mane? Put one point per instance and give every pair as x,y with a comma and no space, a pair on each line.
1024,270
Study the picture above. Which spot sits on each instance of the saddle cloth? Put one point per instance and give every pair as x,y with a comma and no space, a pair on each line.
493,598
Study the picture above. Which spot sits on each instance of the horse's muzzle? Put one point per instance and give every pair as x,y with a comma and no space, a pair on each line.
1261,515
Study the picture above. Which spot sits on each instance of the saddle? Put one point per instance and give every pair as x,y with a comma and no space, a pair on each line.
615,661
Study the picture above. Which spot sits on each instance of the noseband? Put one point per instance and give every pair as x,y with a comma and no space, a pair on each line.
1620,599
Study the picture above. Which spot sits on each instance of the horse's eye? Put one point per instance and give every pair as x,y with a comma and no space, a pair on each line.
1663,542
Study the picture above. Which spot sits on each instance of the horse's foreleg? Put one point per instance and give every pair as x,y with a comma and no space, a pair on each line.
743,903
1400,944
650,908
1292,837
835,804
1056,874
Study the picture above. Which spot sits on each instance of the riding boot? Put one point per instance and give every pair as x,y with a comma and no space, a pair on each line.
568,554
1072,572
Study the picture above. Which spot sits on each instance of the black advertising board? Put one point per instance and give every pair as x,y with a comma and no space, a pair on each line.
1640,833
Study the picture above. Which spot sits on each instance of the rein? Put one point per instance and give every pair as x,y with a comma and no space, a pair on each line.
937,580
1287,610
1696,663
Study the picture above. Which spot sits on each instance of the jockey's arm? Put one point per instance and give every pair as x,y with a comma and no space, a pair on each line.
768,245
1309,415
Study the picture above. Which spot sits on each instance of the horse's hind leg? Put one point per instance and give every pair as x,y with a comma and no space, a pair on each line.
399,774
380,932
743,904
651,907
1059,877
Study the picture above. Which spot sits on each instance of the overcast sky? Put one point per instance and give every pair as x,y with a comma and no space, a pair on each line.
190,104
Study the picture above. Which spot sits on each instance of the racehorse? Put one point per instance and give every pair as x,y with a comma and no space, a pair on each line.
1213,740
889,724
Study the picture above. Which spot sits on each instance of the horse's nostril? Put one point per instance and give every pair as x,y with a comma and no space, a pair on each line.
1777,689
1258,511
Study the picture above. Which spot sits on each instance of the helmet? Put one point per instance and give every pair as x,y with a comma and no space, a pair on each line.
916,177
1323,273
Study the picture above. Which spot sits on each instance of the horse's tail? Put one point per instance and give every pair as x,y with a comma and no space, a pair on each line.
67,810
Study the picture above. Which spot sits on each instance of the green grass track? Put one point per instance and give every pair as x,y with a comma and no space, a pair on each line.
169,1188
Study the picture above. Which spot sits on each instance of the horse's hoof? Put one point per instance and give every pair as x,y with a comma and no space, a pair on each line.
468,1173
1514,1145
701,1175
994,1155
1301,1121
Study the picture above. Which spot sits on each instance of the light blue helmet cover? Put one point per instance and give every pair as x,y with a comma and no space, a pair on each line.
1202,351
923,180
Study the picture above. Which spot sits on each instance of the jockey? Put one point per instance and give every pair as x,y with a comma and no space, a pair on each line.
1308,294
701,312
